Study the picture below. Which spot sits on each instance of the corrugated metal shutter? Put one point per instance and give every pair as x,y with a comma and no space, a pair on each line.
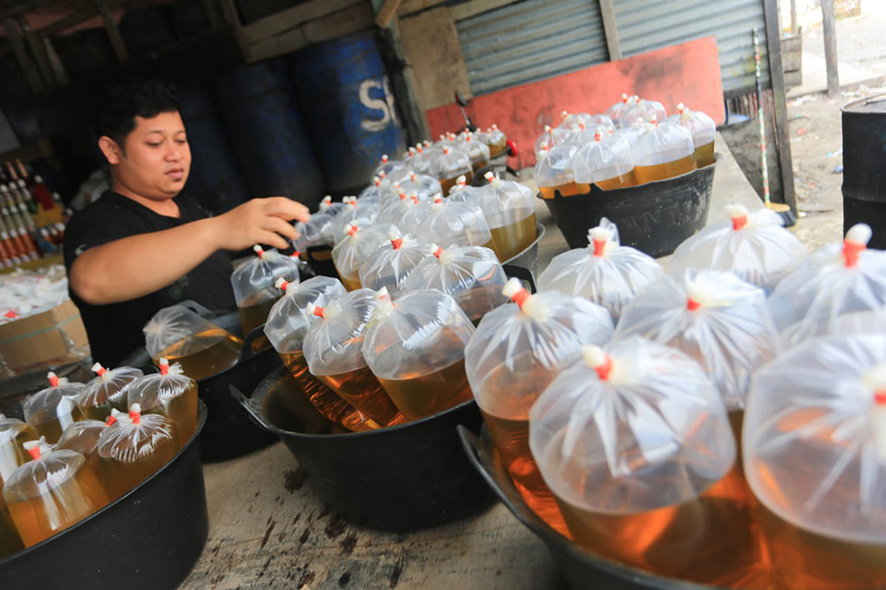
531,40
644,25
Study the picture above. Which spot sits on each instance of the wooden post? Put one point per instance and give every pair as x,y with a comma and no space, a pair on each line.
610,29
779,103
113,33
415,124
829,29
387,12
793,17
21,53
37,50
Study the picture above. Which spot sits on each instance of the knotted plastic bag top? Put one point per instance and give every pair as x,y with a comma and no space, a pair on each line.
107,391
288,322
392,262
333,344
177,326
253,281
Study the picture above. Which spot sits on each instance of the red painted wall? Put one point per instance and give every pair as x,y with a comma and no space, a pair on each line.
688,73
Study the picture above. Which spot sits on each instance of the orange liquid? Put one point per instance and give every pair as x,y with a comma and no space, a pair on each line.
497,148
13,455
327,402
710,540
511,440
213,351
430,394
704,155
567,190
58,508
479,165
181,411
362,390
644,174
448,183
10,542
623,181
254,315
510,240
87,445
120,476
350,283
51,424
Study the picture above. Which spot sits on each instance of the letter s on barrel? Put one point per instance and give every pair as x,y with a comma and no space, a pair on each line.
385,104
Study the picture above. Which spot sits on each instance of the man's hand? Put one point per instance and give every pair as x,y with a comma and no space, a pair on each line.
259,221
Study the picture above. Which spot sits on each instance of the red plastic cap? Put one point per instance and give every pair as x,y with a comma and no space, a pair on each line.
692,304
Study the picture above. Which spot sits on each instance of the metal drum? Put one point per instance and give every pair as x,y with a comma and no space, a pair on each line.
864,166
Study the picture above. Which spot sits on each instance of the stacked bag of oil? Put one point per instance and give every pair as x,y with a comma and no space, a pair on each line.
635,142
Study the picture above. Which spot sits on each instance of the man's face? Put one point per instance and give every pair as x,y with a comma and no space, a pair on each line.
156,160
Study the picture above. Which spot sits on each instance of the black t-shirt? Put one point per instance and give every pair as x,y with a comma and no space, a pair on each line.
115,330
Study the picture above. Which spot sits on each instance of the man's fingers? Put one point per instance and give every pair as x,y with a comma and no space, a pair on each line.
273,239
277,225
287,209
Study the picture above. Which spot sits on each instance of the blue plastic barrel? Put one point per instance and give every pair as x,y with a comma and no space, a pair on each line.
215,181
267,132
347,103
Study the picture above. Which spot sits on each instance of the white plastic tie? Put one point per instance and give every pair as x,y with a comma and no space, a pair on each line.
282,284
597,359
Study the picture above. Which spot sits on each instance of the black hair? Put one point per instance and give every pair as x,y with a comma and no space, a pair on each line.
120,103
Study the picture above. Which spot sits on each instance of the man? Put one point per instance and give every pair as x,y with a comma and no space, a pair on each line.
143,245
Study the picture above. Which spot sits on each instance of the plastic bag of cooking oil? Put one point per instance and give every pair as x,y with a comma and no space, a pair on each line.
373,194
53,409
415,346
509,208
168,393
360,213
83,437
815,457
461,190
13,433
476,150
450,165
715,318
617,111
107,391
838,280
334,353
423,186
606,161
584,129
662,151
703,131
605,272
394,208
386,166
392,262
496,140
181,336
413,213
253,284
544,142
327,207
554,172
455,224
316,232
134,449
472,275
639,111
352,251
52,492
754,246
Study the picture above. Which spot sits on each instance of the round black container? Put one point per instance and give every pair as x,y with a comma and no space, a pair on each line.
654,217
401,478
583,570
148,539
229,432
864,166
320,261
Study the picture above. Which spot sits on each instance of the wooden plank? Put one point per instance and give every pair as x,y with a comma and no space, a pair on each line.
32,76
688,72
793,79
776,75
607,11
475,7
67,22
38,51
388,10
403,84
829,31
288,20
412,6
113,33
358,17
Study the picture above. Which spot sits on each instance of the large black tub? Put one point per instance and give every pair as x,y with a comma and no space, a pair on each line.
582,569
229,432
401,478
148,539
654,217
864,166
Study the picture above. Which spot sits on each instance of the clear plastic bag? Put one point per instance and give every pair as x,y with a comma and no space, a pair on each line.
353,251
134,449
360,213
477,151
387,165
754,246
496,140
316,232
617,111
333,350
425,158
107,391
13,433
392,209
662,151
554,172
416,348
703,131
455,224
253,284
461,190
472,275
815,456
373,194
423,186
54,491
450,165
607,161
327,207
629,439
392,262
53,409
83,437
839,280
715,318
544,142
181,336
168,393
413,213
605,272
639,111
509,208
